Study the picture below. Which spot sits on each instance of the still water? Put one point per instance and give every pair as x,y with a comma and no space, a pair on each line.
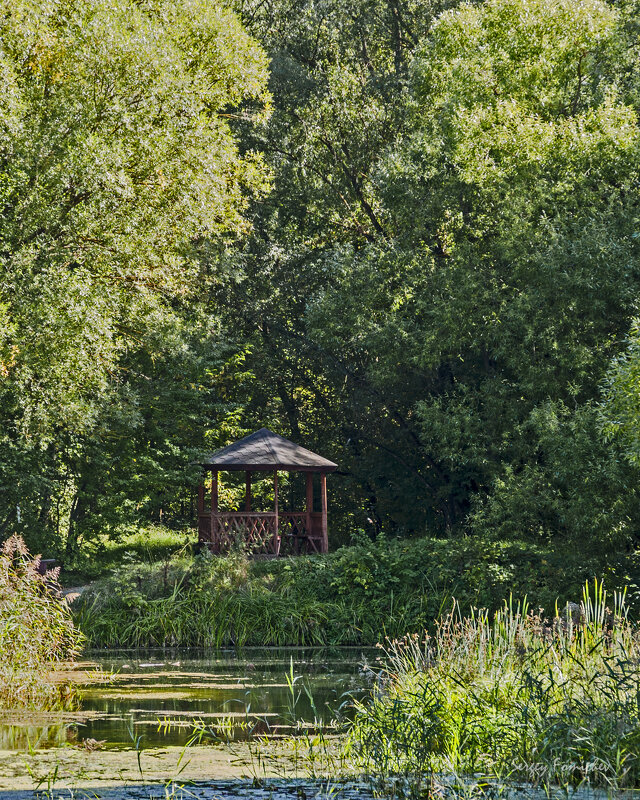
155,697
159,696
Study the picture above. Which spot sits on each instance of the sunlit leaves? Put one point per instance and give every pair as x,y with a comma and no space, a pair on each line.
121,183
116,160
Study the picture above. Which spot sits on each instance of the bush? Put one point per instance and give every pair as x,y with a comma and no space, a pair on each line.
36,631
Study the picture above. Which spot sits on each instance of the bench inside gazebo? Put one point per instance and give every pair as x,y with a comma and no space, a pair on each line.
270,533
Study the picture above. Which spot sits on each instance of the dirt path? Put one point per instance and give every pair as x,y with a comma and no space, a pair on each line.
71,593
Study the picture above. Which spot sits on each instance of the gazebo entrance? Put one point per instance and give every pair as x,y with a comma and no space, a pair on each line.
276,532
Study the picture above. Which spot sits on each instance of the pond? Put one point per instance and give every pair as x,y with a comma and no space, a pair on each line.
126,742
155,697
158,696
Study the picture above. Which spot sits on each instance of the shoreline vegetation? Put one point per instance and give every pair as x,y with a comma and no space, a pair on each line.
356,595
486,702
486,693
500,705
37,635
480,699
511,697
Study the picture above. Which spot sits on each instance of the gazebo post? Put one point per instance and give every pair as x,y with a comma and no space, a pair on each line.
202,533
214,491
309,509
323,495
276,544
213,514
247,491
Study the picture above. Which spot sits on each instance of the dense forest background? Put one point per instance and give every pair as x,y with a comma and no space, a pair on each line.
404,234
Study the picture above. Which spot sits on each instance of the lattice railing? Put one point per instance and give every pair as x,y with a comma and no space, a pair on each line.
255,532
292,526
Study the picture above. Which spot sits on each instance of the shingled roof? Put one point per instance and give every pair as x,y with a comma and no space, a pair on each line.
265,450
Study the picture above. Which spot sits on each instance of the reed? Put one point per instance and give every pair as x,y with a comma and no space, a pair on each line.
510,697
36,632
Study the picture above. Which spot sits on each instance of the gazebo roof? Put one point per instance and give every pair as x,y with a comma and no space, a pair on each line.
265,450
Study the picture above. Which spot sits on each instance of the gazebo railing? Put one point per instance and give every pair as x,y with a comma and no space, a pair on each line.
300,532
257,532
289,532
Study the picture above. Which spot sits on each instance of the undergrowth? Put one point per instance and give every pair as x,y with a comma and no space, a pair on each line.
36,632
99,555
510,697
355,596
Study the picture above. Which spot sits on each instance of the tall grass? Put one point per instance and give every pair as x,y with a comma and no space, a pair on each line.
356,595
206,601
511,697
36,631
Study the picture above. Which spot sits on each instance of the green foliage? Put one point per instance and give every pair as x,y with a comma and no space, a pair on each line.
116,161
103,553
509,698
621,407
578,489
356,595
340,87
431,293
36,631
121,181
449,256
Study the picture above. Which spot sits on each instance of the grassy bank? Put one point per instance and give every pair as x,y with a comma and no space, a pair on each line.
101,555
36,632
511,697
356,595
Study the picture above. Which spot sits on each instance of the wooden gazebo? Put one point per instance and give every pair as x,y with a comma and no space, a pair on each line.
266,532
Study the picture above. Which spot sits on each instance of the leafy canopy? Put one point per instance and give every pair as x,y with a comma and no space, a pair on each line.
121,182
117,164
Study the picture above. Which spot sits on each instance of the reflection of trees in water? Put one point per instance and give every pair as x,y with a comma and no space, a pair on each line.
37,736
235,697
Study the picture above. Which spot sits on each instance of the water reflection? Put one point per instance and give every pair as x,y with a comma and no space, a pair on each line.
26,735
159,695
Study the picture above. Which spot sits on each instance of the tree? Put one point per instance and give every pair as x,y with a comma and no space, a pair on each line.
340,77
121,181
499,274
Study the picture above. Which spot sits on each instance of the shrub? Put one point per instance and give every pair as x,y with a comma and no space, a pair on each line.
36,631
